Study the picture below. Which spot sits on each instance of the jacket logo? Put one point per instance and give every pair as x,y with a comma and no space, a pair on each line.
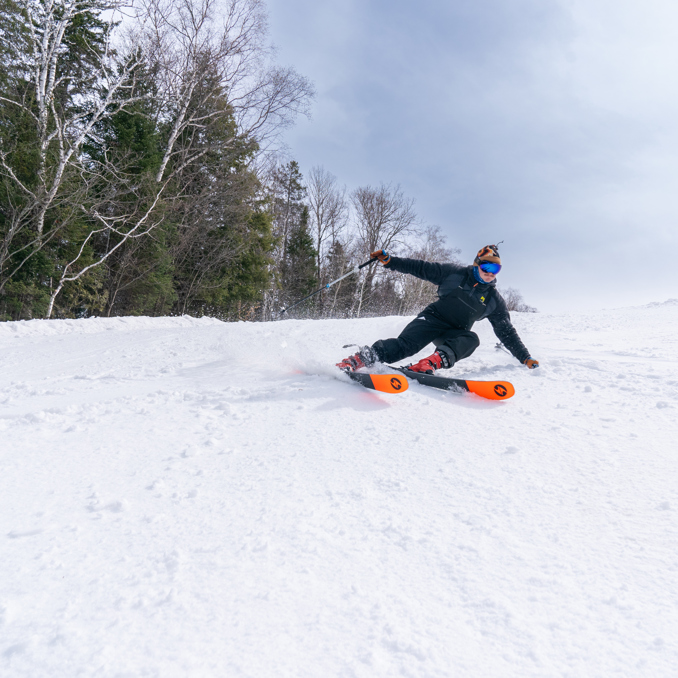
482,299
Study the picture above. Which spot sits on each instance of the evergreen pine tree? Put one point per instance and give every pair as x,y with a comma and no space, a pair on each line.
298,271
295,254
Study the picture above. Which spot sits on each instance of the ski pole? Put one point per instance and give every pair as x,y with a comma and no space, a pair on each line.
327,287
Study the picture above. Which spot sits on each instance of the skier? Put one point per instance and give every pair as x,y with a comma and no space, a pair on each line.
466,294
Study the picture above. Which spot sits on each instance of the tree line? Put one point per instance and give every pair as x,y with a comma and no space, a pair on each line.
137,173
321,231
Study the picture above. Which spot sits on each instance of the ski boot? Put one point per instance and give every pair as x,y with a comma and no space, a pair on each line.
429,365
365,357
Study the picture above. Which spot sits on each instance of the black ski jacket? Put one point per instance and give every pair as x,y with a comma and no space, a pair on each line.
462,300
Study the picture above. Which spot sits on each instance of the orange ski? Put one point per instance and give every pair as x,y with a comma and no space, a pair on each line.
492,390
386,383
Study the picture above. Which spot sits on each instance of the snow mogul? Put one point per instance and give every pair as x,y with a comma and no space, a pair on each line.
466,294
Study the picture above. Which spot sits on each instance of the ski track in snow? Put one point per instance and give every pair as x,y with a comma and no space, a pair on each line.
185,497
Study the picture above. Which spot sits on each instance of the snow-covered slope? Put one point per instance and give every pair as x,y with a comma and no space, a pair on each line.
184,497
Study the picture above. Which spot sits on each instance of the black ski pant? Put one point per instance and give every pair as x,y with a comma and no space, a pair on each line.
425,329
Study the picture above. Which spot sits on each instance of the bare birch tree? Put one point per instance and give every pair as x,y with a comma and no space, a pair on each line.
225,44
64,107
328,209
384,218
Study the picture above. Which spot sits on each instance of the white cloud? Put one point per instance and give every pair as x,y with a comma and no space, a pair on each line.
550,124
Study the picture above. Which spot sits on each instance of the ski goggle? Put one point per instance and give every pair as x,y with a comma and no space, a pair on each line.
489,267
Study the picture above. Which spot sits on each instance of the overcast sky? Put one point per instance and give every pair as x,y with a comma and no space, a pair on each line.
549,124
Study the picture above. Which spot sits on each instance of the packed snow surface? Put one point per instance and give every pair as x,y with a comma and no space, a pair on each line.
183,497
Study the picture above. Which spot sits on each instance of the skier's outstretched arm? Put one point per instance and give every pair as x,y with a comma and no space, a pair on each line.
507,334
431,272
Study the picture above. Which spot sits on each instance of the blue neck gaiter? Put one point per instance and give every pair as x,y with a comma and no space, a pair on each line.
476,275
